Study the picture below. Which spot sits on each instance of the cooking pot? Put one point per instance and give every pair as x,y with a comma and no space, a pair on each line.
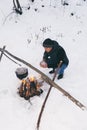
21,72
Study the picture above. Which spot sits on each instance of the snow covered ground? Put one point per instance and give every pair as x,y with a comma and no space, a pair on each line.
23,36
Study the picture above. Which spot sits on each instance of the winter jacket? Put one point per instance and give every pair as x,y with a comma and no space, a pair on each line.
53,57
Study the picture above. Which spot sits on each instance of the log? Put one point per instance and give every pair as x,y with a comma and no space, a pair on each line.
48,80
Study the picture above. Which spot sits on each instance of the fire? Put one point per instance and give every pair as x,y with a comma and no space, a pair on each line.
32,78
28,80
30,87
23,81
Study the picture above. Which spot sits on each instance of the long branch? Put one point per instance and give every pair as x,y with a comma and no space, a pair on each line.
48,80
48,93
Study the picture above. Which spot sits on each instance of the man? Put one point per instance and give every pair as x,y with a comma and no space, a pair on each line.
53,54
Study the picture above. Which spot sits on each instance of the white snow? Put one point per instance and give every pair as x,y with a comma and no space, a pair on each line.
23,36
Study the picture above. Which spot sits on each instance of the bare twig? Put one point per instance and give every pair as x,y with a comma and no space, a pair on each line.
7,17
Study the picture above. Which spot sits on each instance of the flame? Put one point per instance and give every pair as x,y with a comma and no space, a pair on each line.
31,78
23,81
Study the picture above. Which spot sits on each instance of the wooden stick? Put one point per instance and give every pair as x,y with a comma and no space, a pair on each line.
48,80
12,60
2,52
44,103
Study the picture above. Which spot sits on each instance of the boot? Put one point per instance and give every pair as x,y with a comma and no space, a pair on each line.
60,76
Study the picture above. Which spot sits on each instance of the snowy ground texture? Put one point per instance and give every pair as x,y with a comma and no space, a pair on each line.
23,36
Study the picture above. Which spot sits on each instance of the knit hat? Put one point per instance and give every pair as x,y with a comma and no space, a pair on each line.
48,43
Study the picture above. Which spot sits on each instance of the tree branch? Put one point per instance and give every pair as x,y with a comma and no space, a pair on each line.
44,103
48,80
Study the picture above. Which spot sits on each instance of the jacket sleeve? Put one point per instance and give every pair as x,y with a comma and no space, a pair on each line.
62,56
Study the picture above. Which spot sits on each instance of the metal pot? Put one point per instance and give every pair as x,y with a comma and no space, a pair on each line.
21,72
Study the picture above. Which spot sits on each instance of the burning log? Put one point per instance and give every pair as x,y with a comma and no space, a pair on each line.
30,88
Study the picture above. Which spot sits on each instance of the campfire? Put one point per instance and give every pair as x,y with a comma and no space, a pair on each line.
30,86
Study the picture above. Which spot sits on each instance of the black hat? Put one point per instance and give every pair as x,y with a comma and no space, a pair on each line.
48,43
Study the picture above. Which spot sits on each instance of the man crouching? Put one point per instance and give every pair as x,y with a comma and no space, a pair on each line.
54,53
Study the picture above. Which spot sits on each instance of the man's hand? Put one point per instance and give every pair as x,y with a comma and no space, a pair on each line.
43,64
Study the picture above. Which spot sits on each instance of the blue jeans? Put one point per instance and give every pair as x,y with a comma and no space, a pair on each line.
62,68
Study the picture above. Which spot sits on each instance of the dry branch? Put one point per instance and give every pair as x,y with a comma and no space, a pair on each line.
44,103
48,80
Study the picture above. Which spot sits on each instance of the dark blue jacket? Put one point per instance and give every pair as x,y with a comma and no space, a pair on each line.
57,54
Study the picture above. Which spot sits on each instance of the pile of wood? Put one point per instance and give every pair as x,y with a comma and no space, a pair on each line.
30,87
